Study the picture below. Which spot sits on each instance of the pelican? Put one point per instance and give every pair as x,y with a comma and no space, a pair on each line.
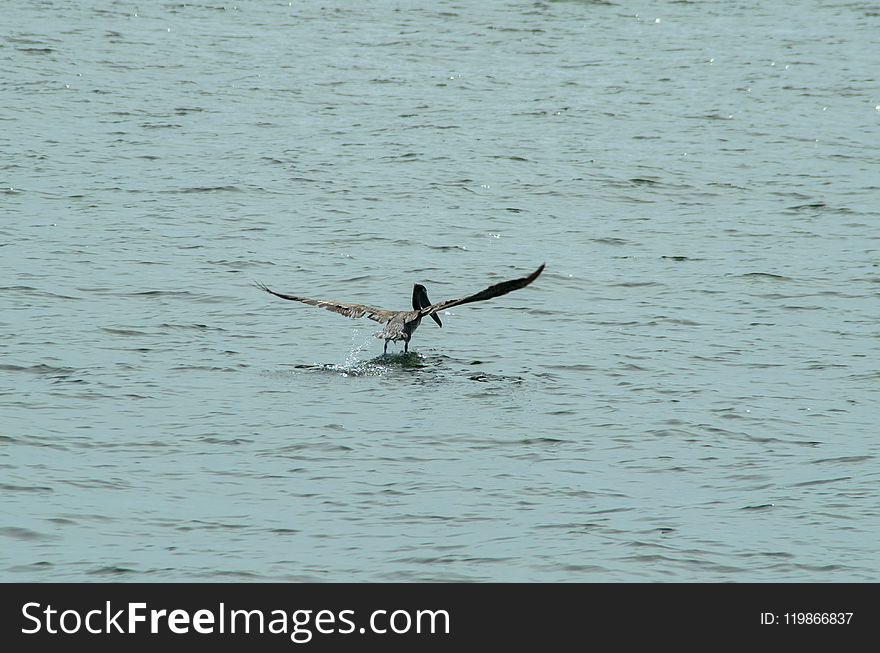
400,325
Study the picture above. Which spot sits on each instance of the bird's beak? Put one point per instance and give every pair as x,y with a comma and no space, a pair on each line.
423,302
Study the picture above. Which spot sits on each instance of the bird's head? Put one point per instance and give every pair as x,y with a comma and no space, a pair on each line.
420,300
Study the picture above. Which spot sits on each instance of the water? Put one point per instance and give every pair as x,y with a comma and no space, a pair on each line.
688,392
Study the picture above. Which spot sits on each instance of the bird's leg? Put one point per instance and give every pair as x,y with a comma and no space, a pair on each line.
405,346
386,347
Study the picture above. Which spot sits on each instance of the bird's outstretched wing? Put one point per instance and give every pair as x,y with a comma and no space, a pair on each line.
492,291
348,310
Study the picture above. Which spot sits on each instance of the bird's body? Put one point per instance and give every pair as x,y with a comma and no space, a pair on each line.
400,325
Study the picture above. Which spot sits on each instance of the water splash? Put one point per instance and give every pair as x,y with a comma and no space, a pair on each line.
353,365
353,359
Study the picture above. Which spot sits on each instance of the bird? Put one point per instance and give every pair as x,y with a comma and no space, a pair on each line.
400,325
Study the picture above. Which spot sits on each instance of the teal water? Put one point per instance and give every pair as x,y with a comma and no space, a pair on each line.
688,392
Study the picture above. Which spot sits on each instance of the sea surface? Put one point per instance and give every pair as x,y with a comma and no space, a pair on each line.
689,392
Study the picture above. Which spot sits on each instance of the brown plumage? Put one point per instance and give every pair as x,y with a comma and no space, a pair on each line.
400,325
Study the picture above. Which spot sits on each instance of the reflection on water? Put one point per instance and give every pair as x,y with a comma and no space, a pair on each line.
383,364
